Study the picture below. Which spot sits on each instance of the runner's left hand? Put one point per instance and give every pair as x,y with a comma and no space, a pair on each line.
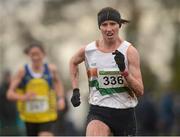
119,59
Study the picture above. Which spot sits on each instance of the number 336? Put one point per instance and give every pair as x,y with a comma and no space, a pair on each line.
112,80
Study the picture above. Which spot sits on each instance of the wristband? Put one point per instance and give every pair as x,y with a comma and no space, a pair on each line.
125,73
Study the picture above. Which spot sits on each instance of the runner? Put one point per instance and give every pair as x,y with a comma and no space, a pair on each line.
115,82
35,88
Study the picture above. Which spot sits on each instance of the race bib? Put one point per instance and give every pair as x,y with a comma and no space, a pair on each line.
39,104
110,78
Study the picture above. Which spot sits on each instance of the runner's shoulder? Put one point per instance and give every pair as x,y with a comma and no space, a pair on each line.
21,71
52,67
132,50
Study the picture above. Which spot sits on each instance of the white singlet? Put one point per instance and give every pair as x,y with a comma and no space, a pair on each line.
105,82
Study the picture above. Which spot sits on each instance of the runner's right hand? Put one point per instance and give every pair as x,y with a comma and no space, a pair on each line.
75,99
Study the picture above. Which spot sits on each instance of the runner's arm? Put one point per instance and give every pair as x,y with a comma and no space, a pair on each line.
11,93
134,78
58,85
74,62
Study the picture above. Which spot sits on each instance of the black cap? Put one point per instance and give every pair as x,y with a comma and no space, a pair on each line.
109,13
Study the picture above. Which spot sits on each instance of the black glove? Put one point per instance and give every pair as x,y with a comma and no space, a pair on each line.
75,99
119,59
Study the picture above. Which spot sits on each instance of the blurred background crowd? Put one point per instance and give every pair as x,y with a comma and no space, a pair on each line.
63,26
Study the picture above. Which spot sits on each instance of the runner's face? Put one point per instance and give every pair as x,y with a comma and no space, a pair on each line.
36,55
109,30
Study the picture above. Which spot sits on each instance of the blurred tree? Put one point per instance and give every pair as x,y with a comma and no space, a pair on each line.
170,4
173,7
25,34
1,60
149,78
175,61
52,11
132,28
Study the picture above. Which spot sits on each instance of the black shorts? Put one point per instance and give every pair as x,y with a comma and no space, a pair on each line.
122,122
32,129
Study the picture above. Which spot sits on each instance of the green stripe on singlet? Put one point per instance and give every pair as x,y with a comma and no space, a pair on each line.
107,91
108,72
